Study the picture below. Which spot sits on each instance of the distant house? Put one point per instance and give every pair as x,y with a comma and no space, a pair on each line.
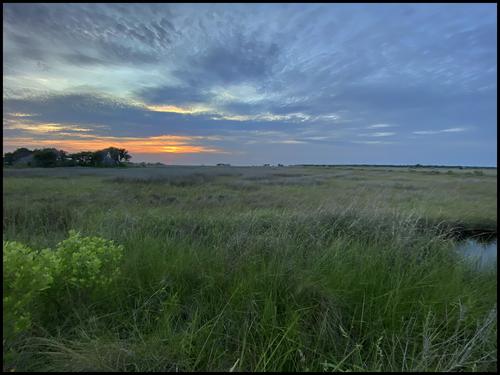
25,160
108,160
223,165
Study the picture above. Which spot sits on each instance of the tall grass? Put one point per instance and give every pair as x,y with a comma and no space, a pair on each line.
331,289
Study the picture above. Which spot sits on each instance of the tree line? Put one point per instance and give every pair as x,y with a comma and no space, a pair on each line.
52,157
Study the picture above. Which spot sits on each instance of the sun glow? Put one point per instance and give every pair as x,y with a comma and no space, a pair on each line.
45,128
170,144
175,109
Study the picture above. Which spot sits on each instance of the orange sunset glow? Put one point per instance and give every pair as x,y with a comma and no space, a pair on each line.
170,144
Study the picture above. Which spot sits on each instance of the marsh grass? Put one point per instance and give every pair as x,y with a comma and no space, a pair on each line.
334,277
182,181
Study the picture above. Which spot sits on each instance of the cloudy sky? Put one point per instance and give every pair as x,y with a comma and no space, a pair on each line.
254,83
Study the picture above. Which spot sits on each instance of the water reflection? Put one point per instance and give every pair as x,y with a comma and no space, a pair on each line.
482,255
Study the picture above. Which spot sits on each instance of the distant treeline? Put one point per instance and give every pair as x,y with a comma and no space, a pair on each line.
393,166
51,157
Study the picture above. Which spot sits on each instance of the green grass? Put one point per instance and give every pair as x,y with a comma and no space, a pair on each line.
262,269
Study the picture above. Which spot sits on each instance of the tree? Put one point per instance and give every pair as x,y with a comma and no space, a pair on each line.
124,155
52,157
84,158
61,155
21,153
97,158
11,158
8,158
48,157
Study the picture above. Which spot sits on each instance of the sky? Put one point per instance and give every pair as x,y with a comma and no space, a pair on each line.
249,84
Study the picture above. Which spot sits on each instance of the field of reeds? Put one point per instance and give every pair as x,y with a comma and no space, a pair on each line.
258,269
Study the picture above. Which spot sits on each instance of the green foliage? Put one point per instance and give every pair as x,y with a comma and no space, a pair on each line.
12,157
25,274
123,155
8,158
80,262
88,262
110,156
48,157
83,159
51,157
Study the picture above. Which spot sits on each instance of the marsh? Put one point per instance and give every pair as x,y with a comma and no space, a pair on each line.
263,268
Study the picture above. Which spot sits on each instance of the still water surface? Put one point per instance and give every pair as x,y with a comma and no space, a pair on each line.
481,255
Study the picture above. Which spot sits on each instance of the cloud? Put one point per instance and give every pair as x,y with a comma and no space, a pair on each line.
377,126
378,134
40,128
449,130
289,141
17,114
314,73
99,29
236,60
192,110
453,130
174,95
373,142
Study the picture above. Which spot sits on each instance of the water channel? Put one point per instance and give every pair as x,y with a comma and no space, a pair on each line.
481,254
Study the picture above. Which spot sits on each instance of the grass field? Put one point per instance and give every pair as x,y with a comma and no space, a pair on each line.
262,269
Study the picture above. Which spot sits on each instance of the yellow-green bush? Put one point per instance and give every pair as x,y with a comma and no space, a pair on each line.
88,262
25,274
79,262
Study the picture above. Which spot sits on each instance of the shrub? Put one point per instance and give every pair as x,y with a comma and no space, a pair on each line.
25,274
88,262
83,263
